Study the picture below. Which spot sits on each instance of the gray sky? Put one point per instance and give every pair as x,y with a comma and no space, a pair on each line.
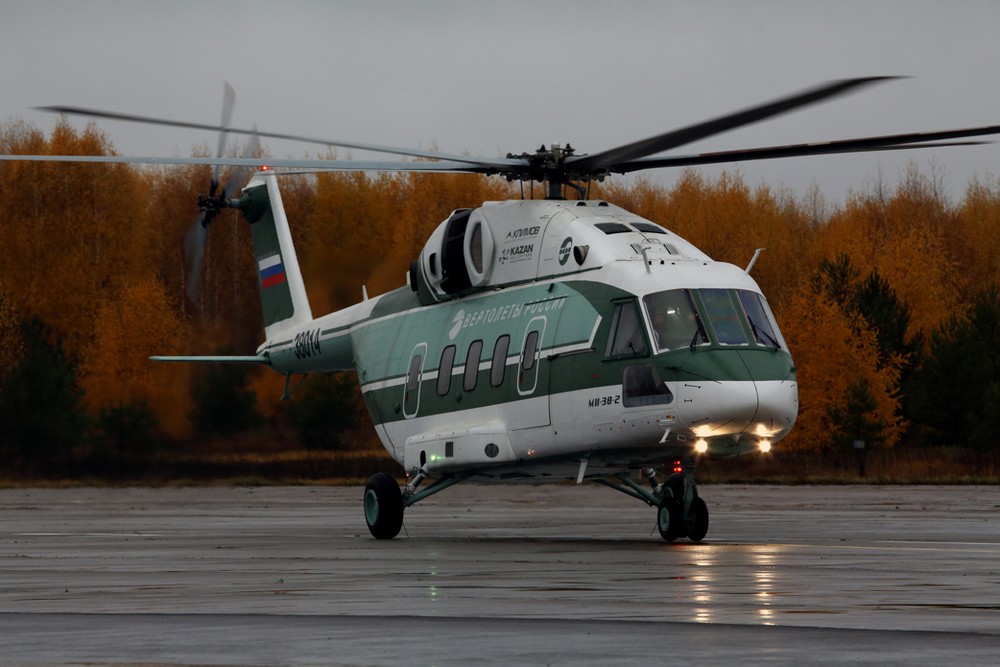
491,77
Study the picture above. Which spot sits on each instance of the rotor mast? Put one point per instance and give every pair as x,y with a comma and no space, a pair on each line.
548,166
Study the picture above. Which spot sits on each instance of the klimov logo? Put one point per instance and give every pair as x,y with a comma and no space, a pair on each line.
564,250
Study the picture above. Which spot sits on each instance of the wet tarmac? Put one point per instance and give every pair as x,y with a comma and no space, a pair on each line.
498,575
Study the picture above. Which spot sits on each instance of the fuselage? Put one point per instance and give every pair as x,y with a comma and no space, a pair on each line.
586,333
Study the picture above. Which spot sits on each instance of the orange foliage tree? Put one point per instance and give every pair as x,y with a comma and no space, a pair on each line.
835,351
116,369
73,233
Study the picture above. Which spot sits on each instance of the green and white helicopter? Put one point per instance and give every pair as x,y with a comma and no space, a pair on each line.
541,340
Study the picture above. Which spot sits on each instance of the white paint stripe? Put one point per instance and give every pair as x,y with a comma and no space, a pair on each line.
269,261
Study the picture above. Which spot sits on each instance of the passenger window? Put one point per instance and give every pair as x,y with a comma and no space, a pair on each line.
722,314
472,365
625,338
444,370
499,365
413,376
530,350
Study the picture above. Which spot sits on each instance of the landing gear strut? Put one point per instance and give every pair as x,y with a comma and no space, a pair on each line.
680,512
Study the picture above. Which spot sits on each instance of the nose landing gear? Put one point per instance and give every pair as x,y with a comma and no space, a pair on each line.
680,511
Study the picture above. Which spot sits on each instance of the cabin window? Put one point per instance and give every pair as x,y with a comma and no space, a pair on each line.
760,319
413,375
530,350
444,370
723,316
472,365
674,320
499,365
625,338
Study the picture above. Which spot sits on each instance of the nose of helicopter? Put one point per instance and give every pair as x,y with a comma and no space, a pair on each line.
777,408
733,393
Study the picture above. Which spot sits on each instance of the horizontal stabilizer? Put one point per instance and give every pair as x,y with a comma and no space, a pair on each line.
256,359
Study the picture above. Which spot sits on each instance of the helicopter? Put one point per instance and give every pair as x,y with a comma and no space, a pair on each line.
538,340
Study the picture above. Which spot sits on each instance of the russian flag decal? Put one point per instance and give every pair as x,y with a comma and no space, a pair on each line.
272,271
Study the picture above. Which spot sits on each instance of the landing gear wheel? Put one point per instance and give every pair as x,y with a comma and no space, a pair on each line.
383,506
670,519
698,526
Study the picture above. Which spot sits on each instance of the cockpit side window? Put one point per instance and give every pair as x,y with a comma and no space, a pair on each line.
674,320
724,317
626,338
758,315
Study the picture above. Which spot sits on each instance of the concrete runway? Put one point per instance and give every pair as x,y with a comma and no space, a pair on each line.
498,574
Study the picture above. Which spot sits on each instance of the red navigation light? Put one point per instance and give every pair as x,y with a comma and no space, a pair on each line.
678,468
265,168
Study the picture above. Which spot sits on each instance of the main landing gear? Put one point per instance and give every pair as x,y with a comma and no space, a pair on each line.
385,501
680,511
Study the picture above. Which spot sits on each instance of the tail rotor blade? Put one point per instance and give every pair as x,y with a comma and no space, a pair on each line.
194,250
239,177
197,235
228,103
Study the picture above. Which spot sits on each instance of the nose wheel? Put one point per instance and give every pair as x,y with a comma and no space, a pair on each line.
697,520
670,519
680,512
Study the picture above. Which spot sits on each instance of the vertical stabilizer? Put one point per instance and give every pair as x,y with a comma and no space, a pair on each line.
282,292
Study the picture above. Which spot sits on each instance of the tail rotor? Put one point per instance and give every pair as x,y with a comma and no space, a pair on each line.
211,205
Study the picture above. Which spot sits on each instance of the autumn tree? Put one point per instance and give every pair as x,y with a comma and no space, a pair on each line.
73,233
901,233
324,408
11,342
224,404
116,369
957,391
837,360
974,237
41,408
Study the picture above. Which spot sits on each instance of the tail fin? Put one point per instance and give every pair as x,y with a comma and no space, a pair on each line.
282,292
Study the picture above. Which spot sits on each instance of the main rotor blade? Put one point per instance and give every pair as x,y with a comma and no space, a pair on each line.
860,145
430,155
662,142
446,166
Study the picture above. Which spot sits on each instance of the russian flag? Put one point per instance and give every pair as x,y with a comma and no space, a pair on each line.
272,271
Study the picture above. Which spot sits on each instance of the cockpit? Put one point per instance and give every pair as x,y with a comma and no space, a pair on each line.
690,318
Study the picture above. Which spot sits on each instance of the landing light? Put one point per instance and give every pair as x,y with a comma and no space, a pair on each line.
764,446
701,446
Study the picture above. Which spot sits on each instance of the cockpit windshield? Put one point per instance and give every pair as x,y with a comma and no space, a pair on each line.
675,320
731,317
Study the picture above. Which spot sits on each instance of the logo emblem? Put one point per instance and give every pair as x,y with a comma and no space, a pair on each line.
564,250
459,318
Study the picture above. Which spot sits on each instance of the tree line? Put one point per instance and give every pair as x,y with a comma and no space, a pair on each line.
888,300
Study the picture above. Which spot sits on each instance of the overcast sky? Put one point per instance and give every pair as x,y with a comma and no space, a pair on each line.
491,77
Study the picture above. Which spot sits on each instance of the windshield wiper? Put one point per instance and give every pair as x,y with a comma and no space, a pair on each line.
758,332
699,332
